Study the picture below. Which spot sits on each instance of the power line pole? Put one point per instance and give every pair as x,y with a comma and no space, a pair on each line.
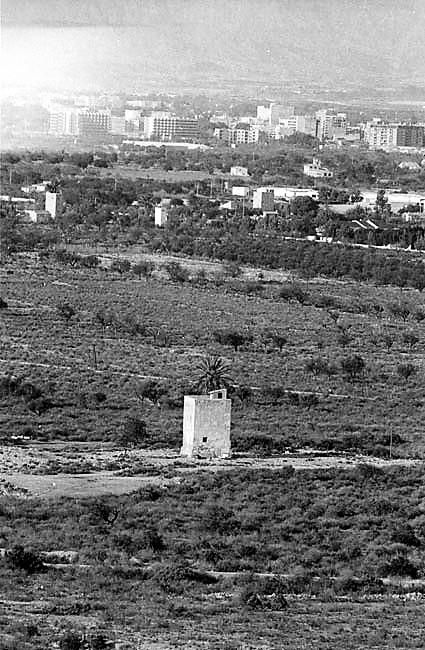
94,356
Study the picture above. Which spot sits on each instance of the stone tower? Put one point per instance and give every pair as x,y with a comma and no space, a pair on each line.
206,425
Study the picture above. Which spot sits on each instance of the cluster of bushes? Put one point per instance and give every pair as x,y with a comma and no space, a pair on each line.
270,250
366,520
76,260
376,444
35,397
271,593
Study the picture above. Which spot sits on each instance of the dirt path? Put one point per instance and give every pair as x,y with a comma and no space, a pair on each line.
106,482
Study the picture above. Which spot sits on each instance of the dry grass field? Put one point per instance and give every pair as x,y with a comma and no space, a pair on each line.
132,516
74,359
133,172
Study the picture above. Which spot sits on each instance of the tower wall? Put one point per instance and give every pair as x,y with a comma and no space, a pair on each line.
206,426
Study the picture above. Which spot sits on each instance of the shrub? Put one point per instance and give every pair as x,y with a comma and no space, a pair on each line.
172,577
233,269
353,366
405,370
260,593
25,559
177,272
151,389
144,268
71,641
243,394
40,405
399,310
410,339
293,291
398,565
3,304
133,434
89,261
66,310
276,338
232,338
319,366
153,540
120,266
326,301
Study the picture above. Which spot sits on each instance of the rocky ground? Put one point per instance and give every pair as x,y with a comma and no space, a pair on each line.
61,469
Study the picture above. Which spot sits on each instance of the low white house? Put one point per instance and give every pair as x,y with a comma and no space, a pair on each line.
411,165
315,170
239,171
240,190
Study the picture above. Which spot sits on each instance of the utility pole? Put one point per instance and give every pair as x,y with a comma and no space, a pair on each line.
391,430
94,356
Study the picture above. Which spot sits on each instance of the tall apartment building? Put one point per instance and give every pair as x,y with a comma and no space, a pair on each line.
118,125
330,125
273,113
86,122
380,134
162,125
410,135
94,123
383,135
63,121
295,124
244,134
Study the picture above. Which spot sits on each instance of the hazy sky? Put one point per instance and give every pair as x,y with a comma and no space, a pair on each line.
122,44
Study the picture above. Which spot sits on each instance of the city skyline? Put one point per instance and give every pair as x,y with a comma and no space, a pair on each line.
169,44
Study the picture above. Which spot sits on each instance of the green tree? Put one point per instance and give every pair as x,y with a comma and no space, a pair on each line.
133,433
381,203
232,338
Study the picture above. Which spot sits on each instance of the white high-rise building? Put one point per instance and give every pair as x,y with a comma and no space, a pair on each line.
65,120
274,112
162,125
295,124
331,125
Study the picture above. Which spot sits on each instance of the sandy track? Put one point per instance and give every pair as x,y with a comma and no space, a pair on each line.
20,469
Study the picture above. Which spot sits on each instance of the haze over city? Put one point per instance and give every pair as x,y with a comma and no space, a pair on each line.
172,44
